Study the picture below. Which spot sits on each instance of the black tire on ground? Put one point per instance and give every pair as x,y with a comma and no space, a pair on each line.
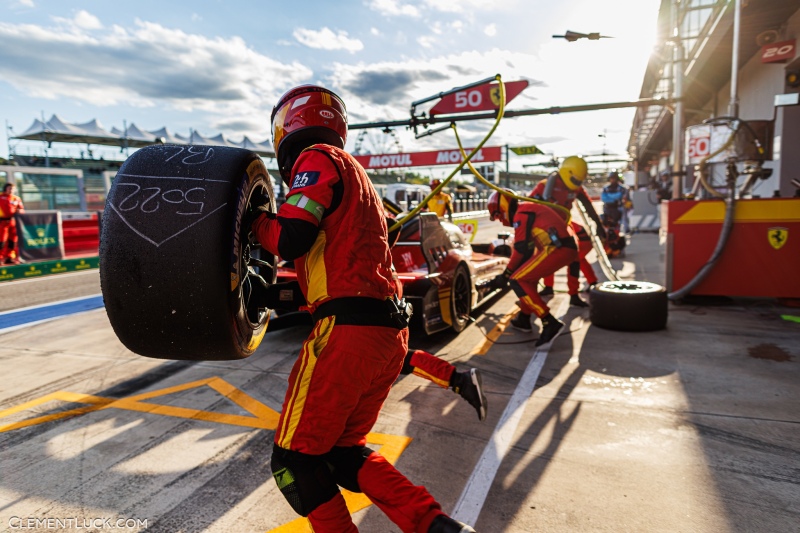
628,306
176,265
460,299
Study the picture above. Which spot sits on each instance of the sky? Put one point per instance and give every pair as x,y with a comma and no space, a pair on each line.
218,66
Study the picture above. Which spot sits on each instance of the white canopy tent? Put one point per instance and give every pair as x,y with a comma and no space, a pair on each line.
56,130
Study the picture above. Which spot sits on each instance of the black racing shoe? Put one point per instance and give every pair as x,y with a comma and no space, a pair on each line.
521,322
547,291
468,385
445,524
576,301
550,329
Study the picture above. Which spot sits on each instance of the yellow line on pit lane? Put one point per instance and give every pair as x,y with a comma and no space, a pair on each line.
263,417
482,347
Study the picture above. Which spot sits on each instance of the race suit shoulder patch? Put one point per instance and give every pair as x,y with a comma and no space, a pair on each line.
304,179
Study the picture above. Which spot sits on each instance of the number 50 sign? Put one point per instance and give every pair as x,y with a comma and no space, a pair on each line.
481,98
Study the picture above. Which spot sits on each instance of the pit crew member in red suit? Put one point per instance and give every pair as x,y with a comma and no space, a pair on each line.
10,205
332,226
563,188
543,243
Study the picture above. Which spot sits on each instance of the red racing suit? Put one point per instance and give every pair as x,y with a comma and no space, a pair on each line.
543,243
10,205
333,227
564,196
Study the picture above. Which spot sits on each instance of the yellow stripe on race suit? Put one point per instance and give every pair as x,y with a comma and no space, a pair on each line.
326,98
532,263
774,210
316,275
430,377
311,351
537,309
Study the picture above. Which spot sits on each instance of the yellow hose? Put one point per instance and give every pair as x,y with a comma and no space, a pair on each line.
439,187
491,185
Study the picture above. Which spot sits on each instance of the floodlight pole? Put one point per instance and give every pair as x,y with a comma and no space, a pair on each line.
733,106
677,94
508,173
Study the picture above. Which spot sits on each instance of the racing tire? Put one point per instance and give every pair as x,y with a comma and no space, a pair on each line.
177,264
628,306
460,299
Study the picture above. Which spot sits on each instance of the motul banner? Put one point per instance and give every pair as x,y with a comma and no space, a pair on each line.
40,235
429,159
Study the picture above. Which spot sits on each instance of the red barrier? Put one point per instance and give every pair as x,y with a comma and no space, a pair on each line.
81,233
761,258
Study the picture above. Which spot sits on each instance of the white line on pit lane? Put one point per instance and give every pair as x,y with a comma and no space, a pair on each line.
469,504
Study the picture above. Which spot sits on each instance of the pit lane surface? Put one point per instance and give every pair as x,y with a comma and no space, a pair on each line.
679,430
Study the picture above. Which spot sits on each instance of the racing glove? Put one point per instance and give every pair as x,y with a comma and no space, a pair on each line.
259,204
500,281
252,214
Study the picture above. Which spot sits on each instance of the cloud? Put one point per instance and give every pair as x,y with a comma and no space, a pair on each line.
145,66
384,91
27,3
83,20
469,6
379,85
490,30
393,8
326,39
426,41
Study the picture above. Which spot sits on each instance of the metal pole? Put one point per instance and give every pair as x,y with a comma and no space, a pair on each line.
733,106
437,119
508,174
677,94
451,91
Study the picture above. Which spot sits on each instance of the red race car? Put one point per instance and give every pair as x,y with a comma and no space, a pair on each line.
444,277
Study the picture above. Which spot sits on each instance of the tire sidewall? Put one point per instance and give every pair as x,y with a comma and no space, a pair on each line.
459,324
628,306
246,334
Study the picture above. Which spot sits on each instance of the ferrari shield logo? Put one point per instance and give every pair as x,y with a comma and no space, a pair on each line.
777,237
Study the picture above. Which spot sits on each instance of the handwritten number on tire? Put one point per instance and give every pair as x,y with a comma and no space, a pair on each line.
148,200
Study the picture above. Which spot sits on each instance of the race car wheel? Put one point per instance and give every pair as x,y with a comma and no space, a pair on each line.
461,299
178,268
628,306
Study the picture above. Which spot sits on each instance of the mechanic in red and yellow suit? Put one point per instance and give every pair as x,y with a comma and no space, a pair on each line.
543,243
440,203
467,384
563,187
332,226
10,205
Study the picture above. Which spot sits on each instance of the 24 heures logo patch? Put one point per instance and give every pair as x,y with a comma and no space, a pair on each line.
304,179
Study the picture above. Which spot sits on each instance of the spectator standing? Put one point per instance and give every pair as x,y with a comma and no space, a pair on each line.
10,205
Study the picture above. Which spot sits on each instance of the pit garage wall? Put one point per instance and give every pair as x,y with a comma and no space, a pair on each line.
758,84
761,258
